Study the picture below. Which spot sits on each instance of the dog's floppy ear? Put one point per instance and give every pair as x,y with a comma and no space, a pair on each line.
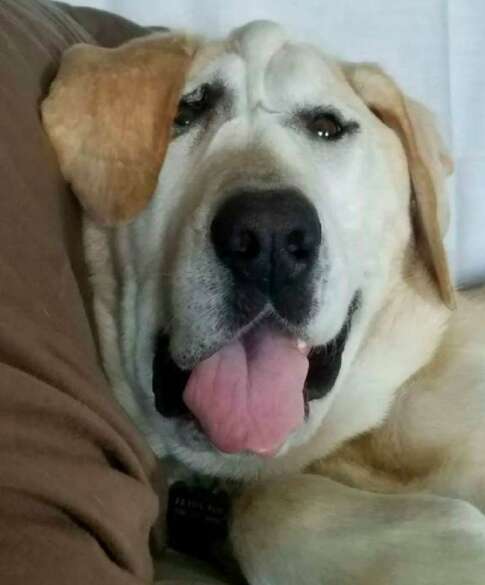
428,164
109,116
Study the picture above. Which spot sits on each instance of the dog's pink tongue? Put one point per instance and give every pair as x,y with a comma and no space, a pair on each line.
249,395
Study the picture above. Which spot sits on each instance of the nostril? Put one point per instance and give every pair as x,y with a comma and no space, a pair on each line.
246,245
297,245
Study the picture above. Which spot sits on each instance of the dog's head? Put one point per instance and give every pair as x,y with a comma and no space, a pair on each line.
262,201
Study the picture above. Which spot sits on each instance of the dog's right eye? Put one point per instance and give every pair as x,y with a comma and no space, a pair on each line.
192,107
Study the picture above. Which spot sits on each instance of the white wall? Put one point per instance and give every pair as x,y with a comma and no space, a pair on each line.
434,48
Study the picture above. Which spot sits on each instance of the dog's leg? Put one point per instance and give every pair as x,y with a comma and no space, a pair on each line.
309,530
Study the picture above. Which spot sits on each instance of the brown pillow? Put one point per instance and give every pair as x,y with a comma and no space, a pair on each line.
76,502
109,30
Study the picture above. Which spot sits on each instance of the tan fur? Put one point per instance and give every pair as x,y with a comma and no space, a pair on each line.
425,155
426,439
109,115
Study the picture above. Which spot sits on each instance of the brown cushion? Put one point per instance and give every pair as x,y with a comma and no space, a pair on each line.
76,503
108,29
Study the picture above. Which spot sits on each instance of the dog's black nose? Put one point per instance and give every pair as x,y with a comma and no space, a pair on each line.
267,238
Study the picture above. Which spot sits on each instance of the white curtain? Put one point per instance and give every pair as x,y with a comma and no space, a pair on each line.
434,48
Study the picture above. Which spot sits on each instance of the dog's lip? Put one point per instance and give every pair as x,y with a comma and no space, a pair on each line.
266,318
269,321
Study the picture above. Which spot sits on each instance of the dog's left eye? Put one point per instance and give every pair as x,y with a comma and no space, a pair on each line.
325,126
193,106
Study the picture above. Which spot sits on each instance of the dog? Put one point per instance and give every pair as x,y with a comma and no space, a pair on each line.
264,227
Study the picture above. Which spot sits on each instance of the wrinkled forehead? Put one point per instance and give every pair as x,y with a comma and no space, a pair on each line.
272,70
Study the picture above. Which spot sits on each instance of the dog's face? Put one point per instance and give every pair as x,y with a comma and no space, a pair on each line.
282,198
277,230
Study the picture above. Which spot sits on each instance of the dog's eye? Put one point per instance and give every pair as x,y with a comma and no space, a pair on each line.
193,106
325,126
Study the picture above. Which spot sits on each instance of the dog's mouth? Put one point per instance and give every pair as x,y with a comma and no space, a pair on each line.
253,392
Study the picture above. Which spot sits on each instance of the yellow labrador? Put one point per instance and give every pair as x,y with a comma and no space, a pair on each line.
264,228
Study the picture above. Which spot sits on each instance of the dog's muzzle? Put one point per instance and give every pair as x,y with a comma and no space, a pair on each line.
251,391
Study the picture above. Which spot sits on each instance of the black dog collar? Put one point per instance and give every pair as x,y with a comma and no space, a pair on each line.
198,523
197,518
